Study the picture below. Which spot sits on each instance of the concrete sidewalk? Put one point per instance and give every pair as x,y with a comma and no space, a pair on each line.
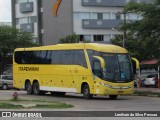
154,90
151,92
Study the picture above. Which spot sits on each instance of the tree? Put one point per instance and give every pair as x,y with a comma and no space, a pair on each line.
143,36
11,38
70,39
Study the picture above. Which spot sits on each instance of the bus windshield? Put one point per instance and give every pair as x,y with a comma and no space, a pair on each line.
118,67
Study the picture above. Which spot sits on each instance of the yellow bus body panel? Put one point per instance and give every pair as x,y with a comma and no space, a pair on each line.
69,78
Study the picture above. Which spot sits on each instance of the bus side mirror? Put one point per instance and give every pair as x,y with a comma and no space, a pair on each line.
136,63
101,60
98,66
136,66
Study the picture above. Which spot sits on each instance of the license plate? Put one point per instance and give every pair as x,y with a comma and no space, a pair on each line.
120,92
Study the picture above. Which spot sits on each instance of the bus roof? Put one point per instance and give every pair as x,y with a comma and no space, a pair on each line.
92,46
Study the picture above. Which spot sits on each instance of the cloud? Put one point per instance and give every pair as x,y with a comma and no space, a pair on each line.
5,10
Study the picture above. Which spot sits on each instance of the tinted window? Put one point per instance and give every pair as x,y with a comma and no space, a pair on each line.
92,53
67,57
48,57
151,76
7,77
29,57
79,58
56,57
43,56
40,57
18,57
32,57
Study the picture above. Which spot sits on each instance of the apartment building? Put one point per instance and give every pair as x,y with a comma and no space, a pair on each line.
94,20
5,23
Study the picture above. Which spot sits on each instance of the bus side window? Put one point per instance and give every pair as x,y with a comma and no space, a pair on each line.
18,57
92,53
48,57
43,57
79,58
67,57
56,57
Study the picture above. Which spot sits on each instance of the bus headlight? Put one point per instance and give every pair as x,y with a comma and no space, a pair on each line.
116,87
109,86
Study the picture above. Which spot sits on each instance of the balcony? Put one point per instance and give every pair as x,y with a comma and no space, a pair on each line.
104,3
111,3
26,7
100,24
140,1
28,27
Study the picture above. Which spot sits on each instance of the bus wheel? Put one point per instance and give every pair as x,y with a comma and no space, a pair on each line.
36,89
113,97
29,88
5,87
86,92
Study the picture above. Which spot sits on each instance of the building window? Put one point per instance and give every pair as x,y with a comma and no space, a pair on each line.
98,37
21,20
83,15
113,16
118,16
85,37
107,38
134,16
97,16
23,1
24,20
106,15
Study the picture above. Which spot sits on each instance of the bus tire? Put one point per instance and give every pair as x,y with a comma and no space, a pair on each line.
36,89
86,92
29,88
5,87
113,97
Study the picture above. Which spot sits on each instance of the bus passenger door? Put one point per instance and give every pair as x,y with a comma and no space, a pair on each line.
80,75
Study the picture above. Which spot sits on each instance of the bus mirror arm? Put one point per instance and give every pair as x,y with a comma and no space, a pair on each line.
136,63
98,66
102,62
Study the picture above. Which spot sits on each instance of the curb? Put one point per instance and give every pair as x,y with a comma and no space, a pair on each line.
146,93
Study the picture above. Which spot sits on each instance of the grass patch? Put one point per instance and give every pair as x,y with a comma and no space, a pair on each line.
30,104
55,106
4,105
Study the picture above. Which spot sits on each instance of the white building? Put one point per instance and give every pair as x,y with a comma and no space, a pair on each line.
6,23
93,20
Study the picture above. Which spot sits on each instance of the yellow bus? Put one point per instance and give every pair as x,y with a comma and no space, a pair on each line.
85,68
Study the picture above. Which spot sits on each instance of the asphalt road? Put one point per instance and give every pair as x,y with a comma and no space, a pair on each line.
98,103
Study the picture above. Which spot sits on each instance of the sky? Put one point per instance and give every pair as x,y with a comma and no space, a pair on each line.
5,10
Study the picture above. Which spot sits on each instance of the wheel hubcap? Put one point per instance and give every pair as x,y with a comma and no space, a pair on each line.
4,87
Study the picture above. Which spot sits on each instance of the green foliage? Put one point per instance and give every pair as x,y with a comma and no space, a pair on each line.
4,105
11,38
143,36
70,39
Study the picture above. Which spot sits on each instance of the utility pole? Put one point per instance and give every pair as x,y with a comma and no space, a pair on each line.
124,31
